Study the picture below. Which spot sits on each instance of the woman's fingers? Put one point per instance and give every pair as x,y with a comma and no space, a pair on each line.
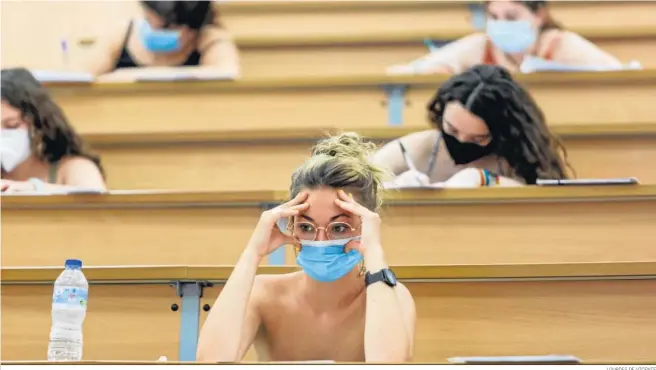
347,203
292,211
298,199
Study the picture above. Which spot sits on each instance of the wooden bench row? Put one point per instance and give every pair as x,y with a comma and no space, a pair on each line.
455,226
599,312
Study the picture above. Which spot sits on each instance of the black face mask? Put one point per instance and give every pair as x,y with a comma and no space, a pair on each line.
463,153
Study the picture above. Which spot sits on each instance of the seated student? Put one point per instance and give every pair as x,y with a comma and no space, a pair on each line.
515,29
40,149
166,34
488,132
332,309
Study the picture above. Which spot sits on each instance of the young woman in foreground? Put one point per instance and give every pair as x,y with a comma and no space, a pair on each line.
488,131
345,305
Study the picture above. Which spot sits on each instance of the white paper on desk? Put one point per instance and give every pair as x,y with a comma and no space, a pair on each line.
62,76
536,64
54,192
517,359
183,75
391,185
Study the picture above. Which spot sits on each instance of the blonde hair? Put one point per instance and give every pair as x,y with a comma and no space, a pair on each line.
341,162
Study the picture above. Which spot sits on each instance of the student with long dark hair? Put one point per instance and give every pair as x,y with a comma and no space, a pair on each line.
488,131
165,35
514,30
40,150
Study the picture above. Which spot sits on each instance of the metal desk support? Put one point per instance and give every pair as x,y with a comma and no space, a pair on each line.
190,292
395,102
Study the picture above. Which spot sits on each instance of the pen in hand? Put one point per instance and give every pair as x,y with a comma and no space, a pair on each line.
411,165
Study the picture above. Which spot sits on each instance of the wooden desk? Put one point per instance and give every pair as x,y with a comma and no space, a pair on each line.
350,102
480,226
228,160
600,312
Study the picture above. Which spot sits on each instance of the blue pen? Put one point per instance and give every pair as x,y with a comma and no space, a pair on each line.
64,46
430,45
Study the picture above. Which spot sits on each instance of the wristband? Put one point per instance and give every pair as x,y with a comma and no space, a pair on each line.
39,186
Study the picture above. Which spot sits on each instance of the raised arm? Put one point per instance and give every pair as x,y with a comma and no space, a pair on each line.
576,50
234,320
390,316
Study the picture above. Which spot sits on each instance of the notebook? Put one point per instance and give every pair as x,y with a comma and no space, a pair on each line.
547,359
588,182
183,75
536,64
62,76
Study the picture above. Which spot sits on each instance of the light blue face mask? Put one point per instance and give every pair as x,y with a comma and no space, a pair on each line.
511,36
158,41
326,261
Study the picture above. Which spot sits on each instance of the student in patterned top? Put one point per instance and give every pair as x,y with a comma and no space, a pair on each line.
514,30
41,152
166,35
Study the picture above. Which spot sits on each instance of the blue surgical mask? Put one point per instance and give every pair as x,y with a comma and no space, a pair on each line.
158,41
326,261
511,36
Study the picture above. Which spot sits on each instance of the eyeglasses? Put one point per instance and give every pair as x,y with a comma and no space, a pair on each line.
334,231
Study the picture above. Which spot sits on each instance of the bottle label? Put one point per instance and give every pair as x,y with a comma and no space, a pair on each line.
70,296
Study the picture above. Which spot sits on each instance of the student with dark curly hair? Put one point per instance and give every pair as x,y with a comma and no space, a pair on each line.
514,31
165,35
40,150
488,131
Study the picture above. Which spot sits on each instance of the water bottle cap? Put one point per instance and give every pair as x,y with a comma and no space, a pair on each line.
73,263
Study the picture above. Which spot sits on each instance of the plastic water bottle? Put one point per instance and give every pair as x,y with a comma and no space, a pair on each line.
69,307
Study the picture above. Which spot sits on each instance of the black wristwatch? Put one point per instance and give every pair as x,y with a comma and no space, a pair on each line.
385,275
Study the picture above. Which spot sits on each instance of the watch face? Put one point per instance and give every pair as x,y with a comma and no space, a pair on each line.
389,277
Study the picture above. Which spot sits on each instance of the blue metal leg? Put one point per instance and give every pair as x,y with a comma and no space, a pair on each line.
189,319
395,104
477,15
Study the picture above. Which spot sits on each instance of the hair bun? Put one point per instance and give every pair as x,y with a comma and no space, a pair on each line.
345,145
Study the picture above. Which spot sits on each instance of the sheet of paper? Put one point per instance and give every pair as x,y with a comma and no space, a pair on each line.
183,75
62,76
390,185
518,359
535,64
54,192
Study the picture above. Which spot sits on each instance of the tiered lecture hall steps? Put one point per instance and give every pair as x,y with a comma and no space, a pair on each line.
283,38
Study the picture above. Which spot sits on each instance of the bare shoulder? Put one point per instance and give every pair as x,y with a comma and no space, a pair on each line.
72,163
420,140
211,34
270,288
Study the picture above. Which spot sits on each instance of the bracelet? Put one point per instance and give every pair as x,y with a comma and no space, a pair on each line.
488,178
39,185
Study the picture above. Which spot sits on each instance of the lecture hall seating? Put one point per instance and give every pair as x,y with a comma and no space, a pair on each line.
346,37
611,123
596,311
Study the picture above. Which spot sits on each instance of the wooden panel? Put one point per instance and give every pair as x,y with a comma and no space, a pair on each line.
363,58
244,166
519,233
594,320
142,236
597,321
126,322
350,102
459,231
